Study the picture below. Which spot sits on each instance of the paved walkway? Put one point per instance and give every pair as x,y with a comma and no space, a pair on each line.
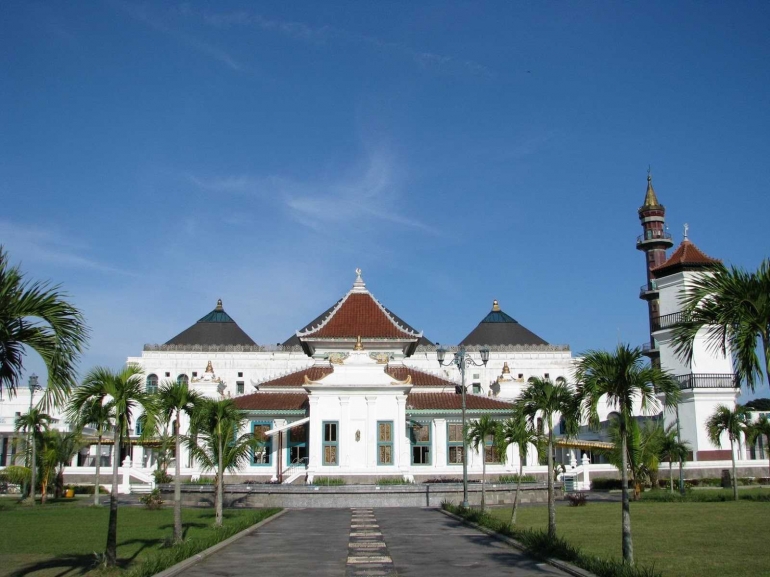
368,542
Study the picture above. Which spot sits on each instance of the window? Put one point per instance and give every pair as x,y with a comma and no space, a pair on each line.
264,448
182,379
490,451
297,444
419,434
151,384
195,373
521,375
330,443
168,374
476,388
476,375
139,423
239,387
455,443
384,442
547,375
240,375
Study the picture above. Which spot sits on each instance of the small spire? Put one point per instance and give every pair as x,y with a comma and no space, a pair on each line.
359,345
495,306
359,286
209,367
686,230
506,368
650,199
219,305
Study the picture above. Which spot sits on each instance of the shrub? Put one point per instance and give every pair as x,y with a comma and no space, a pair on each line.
604,484
746,480
393,481
161,477
448,480
328,481
15,475
577,499
152,500
506,479
89,490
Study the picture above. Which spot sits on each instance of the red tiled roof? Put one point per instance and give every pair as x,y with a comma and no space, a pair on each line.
687,254
272,402
419,379
297,379
359,314
452,401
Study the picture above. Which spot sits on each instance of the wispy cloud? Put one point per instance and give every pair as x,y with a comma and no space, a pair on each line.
48,246
143,15
369,193
323,34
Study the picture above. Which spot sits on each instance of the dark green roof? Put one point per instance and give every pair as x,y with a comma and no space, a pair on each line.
216,328
498,328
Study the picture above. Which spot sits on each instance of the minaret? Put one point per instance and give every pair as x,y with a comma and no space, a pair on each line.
654,242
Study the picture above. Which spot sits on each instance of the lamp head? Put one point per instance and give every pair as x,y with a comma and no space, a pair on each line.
33,382
440,354
484,355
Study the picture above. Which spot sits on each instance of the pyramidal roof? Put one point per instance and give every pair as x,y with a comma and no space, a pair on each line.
498,328
216,328
687,256
358,314
650,199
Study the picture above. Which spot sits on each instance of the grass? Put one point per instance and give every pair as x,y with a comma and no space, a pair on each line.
687,539
328,481
65,538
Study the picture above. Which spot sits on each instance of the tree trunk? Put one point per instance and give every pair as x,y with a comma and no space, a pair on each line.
516,496
628,547
33,470
111,551
177,485
551,498
483,476
98,466
220,488
735,479
671,475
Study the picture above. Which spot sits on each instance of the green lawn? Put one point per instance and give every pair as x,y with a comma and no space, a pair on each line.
679,539
61,539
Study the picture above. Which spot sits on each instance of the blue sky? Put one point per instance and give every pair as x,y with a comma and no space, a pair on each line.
157,156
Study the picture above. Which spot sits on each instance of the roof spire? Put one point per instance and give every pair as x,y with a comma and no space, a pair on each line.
686,229
359,286
219,305
495,305
649,198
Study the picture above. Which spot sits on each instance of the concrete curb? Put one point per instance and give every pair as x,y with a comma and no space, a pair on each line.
182,565
563,565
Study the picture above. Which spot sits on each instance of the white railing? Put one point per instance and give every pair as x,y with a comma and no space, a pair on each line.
294,471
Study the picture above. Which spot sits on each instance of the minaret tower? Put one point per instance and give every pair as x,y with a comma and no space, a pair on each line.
654,242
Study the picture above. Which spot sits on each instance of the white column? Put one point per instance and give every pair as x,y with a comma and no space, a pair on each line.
401,444
439,443
344,440
314,437
371,432
586,475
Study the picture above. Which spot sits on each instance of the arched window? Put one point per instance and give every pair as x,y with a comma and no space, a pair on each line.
183,379
151,385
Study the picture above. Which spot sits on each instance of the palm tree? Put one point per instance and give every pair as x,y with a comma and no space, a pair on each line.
733,307
175,398
33,423
98,416
122,394
214,442
622,380
672,449
544,399
723,420
643,449
67,445
36,315
520,432
756,430
48,457
479,432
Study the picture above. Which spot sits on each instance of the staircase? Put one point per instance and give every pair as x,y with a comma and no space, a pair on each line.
297,469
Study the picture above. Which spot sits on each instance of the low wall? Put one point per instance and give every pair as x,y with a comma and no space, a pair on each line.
344,496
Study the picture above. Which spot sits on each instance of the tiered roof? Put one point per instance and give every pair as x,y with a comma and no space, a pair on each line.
216,328
419,378
498,328
272,402
686,257
453,402
298,378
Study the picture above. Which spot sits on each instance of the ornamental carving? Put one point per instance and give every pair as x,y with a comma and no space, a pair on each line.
338,358
381,358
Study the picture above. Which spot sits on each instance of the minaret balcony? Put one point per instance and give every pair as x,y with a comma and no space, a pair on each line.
709,381
649,291
651,350
654,239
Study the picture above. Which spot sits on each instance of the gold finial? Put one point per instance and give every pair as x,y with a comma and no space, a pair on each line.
650,199
219,304
495,305
359,345
506,368
209,368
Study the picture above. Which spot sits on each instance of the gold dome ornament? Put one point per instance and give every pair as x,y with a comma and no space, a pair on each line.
495,305
209,368
359,345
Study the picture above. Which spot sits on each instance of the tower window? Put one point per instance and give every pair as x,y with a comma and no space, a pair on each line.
151,384
239,387
240,374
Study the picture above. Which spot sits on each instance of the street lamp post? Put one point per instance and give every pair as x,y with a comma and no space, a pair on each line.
33,386
462,359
